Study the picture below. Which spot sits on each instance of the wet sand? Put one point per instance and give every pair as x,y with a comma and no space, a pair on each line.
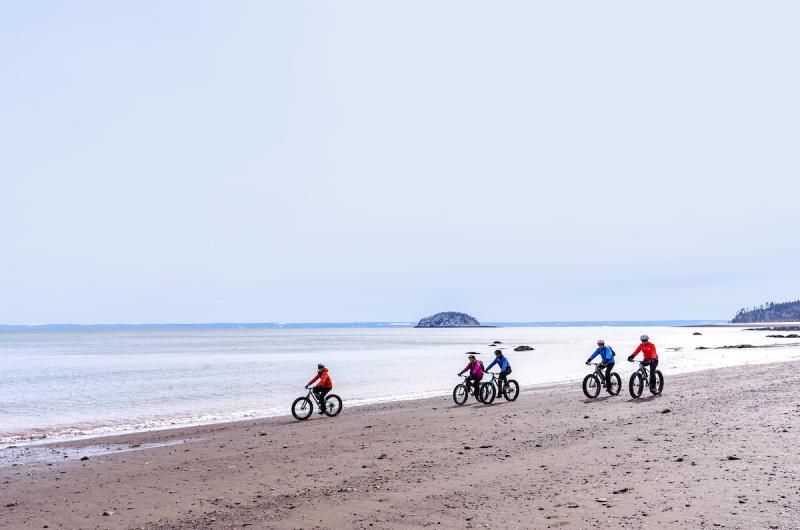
718,449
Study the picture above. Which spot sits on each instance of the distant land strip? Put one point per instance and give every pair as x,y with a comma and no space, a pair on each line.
354,325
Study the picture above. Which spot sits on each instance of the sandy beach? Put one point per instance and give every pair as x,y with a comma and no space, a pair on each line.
718,449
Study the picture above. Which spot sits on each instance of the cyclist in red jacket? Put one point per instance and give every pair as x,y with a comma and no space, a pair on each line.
648,349
323,387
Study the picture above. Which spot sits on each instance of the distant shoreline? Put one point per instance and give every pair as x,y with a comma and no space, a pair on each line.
360,325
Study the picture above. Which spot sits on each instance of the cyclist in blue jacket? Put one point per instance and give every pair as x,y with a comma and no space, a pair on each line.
505,368
606,354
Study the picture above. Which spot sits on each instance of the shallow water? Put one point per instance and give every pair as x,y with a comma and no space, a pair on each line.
63,384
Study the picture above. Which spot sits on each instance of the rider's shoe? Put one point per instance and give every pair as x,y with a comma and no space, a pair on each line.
321,411
653,389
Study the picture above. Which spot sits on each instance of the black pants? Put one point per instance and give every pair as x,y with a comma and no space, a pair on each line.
503,378
608,367
476,384
652,364
320,393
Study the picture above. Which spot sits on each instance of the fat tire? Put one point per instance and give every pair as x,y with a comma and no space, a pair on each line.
512,385
296,411
636,385
590,391
659,383
488,393
328,410
456,394
616,384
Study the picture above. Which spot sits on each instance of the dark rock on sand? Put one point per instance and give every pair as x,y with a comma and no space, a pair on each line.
743,346
523,348
696,333
775,328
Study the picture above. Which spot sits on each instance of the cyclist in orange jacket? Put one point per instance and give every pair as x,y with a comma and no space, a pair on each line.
323,387
648,349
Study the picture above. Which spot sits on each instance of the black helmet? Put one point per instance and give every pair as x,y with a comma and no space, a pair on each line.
320,366
498,352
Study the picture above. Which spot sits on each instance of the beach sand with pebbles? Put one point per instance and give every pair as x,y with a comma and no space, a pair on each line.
718,449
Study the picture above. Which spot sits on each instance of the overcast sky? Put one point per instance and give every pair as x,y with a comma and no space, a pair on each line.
339,161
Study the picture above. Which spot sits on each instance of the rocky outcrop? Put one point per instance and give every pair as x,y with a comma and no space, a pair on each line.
523,348
449,319
769,312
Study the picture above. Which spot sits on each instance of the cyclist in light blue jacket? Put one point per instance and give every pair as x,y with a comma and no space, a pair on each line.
505,368
606,354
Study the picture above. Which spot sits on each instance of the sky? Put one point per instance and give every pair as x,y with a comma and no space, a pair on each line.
377,161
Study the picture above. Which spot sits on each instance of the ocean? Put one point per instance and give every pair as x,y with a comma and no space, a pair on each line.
70,383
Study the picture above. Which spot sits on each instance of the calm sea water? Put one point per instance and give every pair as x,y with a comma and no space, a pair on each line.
71,383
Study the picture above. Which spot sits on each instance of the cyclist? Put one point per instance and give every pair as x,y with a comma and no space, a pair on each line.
648,349
505,368
323,387
476,370
606,354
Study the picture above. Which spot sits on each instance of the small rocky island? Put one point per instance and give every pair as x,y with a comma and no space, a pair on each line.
449,319
769,312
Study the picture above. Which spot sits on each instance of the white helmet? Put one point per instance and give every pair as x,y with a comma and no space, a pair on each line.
601,342
644,338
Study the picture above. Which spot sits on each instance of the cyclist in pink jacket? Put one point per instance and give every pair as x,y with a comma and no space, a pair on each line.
475,368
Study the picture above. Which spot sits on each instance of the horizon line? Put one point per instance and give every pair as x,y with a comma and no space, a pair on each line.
386,323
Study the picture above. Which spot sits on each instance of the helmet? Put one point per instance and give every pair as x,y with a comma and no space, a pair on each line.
601,342
644,338
320,366
498,352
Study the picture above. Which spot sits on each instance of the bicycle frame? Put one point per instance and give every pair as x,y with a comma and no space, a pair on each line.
470,385
313,396
495,380
644,371
600,373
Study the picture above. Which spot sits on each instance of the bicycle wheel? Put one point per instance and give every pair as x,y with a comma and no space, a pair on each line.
511,390
616,384
591,386
460,394
302,408
636,385
659,383
333,405
488,393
